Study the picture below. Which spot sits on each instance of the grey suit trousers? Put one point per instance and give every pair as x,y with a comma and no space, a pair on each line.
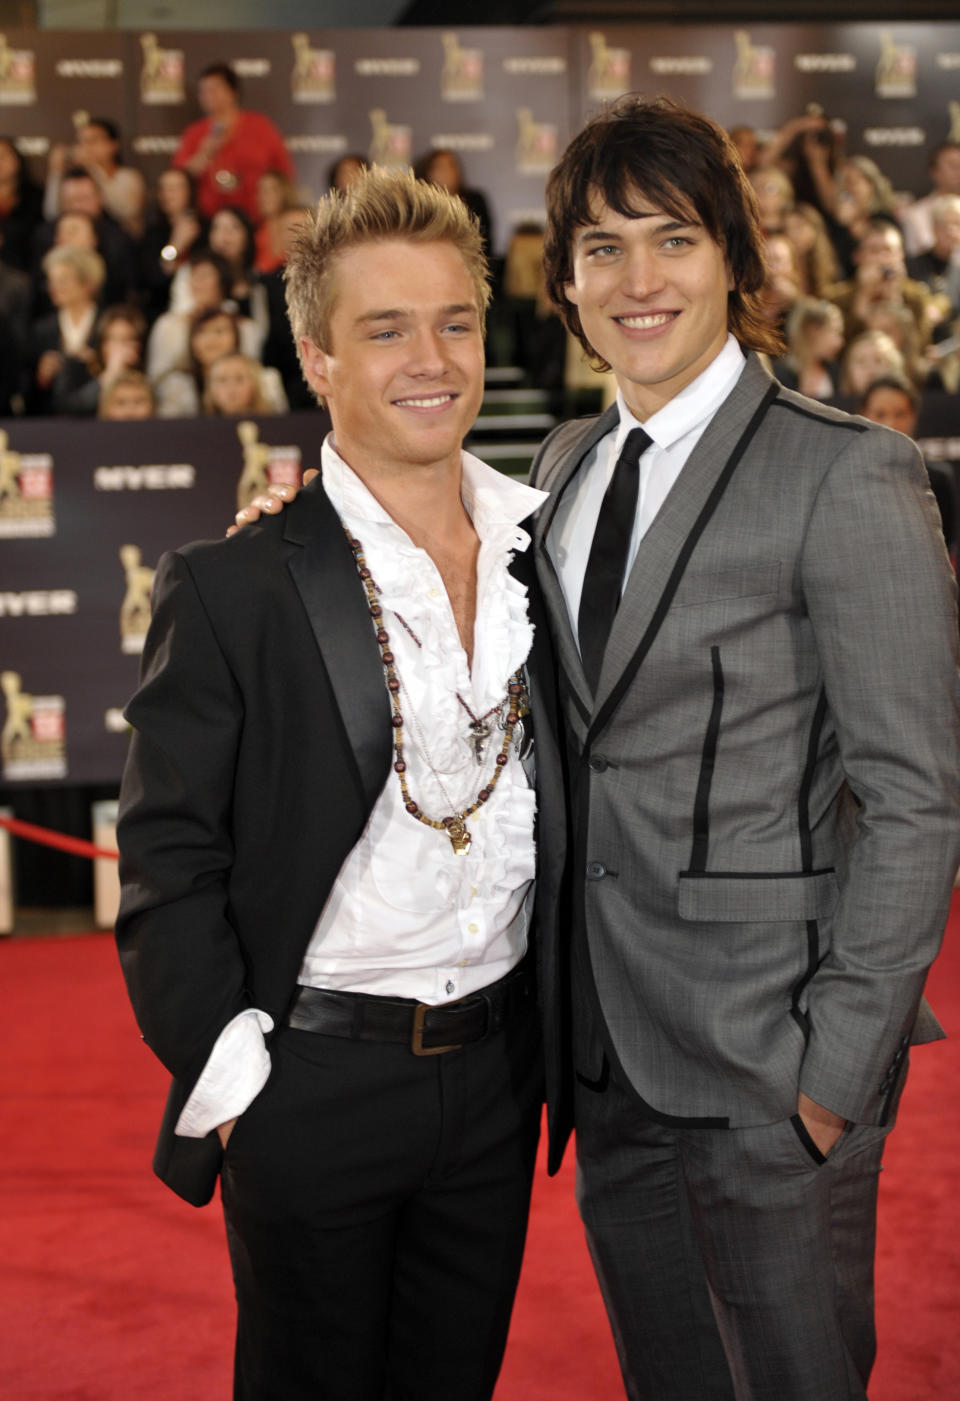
753,1224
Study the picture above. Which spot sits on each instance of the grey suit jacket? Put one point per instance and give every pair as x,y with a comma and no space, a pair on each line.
767,786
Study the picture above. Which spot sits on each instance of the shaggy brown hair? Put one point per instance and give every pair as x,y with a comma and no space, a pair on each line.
382,204
683,163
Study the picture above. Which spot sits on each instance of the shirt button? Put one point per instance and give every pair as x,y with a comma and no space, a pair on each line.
434,593
450,986
599,764
596,870
473,928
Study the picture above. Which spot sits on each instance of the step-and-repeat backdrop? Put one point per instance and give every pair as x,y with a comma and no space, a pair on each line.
505,99
87,508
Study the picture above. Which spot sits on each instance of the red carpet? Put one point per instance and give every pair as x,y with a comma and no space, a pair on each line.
113,1290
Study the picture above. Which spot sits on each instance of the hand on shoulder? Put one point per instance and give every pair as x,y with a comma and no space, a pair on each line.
269,502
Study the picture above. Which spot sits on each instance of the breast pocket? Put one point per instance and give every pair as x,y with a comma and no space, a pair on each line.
732,581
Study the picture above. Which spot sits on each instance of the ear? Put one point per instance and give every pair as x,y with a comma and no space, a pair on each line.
315,366
570,292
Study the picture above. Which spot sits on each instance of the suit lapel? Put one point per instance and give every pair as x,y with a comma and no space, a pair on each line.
560,477
324,573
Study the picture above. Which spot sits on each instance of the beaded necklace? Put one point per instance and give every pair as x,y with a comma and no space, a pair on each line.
454,825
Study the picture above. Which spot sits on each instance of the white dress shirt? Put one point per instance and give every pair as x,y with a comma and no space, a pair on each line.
408,916
675,431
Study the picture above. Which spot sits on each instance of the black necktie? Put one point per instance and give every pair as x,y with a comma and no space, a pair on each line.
603,581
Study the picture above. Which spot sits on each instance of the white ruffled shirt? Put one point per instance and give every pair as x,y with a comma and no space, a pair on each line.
408,916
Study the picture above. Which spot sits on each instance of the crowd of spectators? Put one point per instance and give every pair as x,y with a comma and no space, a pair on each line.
121,301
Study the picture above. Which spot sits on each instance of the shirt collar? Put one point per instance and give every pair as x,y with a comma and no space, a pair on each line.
492,499
693,406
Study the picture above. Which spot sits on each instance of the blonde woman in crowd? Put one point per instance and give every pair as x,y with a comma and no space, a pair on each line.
235,385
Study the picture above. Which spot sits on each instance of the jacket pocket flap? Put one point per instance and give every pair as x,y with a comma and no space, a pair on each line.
736,581
737,898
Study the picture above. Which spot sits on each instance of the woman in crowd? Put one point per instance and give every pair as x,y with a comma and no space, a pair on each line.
276,196
814,332
344,171
782,284
775,197
232,237
123,189
442,167
236,385
21,208
211,333
173,230
116,347
869,356
807,231
206,287
74,279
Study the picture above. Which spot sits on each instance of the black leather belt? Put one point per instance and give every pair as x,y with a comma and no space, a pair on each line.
428,1031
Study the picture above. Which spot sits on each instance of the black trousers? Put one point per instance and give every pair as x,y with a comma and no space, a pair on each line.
376,1206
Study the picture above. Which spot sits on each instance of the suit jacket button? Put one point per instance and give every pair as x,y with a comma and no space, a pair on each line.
599,764
596,870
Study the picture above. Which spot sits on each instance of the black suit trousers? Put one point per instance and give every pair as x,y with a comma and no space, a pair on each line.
376,1206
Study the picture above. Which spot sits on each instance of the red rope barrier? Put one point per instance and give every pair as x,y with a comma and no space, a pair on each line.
46,837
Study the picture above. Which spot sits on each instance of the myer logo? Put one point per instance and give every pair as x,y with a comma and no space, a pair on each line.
135,608
825,63
462,141
535,64
37,603
177,477
329,144
461,79
754,68
26,492
609,73
90,68
155,145
387,67
251,67
682,63
314,72
894,136
33,741
17,75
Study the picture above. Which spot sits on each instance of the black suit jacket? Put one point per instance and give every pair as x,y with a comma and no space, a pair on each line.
261,742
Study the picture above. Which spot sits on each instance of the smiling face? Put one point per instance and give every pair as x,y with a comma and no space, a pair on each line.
403,371
651,293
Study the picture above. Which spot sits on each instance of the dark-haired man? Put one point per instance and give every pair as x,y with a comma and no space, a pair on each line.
763,736
764,741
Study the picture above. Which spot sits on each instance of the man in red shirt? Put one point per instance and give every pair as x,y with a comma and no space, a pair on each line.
229,148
